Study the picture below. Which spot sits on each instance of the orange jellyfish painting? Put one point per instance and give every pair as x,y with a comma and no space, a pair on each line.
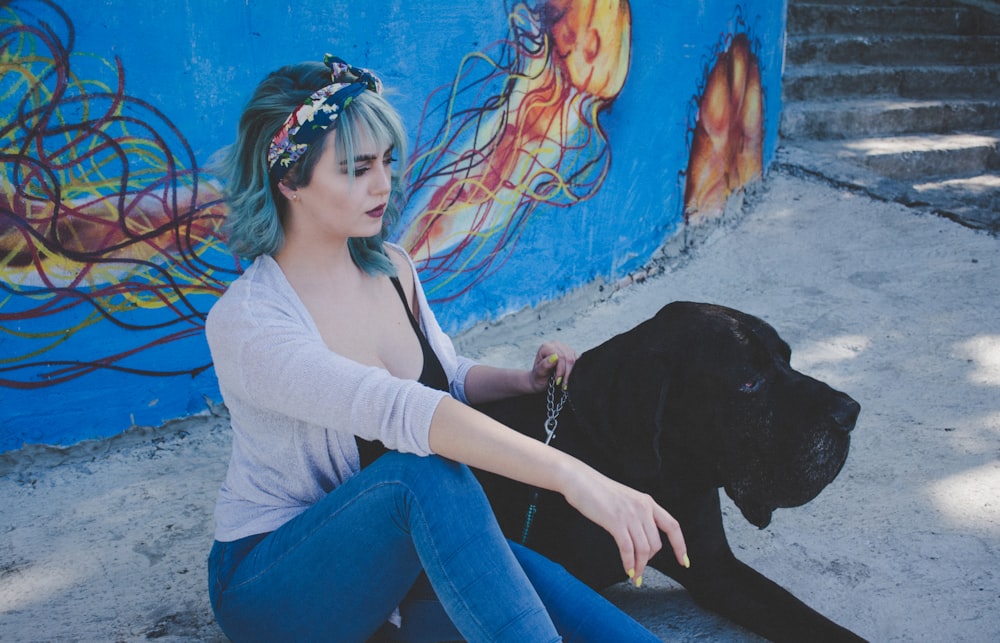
727,143
519,129
105,224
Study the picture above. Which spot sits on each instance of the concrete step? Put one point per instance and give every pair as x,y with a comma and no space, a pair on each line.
972,200
810,82
831,120
901,49
967,199
899,99
868,19
938,155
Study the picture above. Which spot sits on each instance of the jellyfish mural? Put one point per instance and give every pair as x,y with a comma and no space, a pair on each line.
107,230
110,252
518,130
727,141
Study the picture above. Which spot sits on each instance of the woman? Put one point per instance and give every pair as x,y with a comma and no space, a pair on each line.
326,350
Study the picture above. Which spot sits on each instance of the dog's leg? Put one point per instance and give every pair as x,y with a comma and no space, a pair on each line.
718,581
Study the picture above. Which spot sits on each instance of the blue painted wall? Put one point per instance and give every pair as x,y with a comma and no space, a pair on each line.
112,107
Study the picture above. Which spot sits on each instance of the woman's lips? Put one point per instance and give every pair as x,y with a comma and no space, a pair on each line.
376,213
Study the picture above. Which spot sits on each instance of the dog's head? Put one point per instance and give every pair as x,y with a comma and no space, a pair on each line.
707,393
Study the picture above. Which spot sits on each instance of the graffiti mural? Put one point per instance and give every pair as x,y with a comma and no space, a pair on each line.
521,129
727,141
547,142
106,230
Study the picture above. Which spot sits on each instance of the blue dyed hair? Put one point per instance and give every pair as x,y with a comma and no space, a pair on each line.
257,209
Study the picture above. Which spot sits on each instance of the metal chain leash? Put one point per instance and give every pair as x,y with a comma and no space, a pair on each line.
552,410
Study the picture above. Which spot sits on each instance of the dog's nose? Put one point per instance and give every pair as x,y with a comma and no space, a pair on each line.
846,414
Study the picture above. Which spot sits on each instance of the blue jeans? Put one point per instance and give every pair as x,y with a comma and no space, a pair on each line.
412,532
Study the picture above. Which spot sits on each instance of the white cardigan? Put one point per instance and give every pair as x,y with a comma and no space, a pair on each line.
295,405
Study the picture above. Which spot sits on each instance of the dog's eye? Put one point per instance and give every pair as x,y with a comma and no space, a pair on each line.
753,385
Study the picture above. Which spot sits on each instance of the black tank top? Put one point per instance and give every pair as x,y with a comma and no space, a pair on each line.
431,375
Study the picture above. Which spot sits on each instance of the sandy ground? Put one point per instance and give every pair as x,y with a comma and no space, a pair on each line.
106,541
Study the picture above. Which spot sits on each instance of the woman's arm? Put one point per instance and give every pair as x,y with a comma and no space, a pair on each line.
487,383
632,518
481,383
461,433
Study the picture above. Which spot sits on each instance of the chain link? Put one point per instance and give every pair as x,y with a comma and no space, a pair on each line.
552,409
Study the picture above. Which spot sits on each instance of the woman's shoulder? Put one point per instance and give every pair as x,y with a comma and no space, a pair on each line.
405,270
252,277
248,295
399,257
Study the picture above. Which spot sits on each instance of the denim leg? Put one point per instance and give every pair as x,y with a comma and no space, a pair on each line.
424,619
580,614
336,571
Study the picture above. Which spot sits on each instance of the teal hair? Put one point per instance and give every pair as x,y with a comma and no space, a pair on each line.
257,209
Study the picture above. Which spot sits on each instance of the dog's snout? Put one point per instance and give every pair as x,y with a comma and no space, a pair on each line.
845,415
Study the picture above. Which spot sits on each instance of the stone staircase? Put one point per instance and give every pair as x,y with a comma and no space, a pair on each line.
899,99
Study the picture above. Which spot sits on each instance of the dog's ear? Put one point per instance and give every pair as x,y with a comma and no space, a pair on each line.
619,394
765,333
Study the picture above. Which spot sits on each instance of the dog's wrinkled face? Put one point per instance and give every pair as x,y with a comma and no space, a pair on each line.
784,435
710,389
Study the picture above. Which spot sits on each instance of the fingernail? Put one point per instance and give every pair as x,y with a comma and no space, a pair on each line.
638,582
687,561
553,358
631,573
559,380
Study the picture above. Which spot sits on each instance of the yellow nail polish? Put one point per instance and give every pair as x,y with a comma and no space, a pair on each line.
687,561
559,380
631,573
553,358
638,582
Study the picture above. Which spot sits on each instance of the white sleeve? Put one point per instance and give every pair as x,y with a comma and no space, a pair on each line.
273,361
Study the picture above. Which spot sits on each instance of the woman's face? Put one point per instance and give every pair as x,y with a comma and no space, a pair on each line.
337,205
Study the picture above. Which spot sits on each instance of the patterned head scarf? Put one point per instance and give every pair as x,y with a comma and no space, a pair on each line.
318,113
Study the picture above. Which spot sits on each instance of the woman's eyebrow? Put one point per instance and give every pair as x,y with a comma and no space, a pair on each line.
368,158
361,158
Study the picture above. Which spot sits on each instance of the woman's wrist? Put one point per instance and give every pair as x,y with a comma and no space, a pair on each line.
487,383
527,382
568,473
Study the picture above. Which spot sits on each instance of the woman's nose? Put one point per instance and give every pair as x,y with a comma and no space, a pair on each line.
383,179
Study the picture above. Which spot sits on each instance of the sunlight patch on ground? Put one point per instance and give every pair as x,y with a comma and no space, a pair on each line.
976,184
928,143
830,350
983,353
26,584
971,498
782,213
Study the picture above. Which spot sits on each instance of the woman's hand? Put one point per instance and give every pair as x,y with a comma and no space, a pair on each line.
632,518
487,383
552,359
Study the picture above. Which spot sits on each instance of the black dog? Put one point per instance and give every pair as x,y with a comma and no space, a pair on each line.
697,398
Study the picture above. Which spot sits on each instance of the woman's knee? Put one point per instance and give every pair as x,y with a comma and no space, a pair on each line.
435,472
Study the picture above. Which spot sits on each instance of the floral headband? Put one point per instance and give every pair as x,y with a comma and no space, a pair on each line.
318,113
